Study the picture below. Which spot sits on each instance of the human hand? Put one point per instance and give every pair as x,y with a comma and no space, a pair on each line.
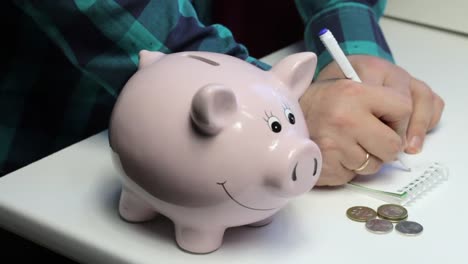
345,119
422,111
427,105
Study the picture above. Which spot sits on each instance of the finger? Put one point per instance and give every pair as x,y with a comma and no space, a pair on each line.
333,173
370,165
398,122
356,160
378,139
439,106
400,128
399,80
386,104
421,117
395,79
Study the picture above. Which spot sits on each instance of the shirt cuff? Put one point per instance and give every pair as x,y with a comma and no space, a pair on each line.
354,26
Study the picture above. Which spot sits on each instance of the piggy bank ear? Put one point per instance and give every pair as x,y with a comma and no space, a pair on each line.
148,57
212,108
296,71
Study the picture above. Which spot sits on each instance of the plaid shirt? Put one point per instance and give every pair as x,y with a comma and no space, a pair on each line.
66,61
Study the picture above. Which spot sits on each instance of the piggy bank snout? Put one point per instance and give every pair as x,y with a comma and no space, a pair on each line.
304,167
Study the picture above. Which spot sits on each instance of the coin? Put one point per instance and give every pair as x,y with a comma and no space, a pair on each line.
379,226
410,228
361,213
392,212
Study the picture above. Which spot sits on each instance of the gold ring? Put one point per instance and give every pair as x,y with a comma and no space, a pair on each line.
364,164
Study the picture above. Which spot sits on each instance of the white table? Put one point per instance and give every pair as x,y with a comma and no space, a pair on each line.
68,201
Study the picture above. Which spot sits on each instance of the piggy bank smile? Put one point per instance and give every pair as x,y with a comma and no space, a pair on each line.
294,178
223,184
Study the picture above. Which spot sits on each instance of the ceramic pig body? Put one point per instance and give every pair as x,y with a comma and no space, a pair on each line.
212,142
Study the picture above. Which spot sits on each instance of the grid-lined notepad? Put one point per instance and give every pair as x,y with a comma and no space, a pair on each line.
394,185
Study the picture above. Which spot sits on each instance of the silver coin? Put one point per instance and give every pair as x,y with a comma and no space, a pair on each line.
409,228
379,226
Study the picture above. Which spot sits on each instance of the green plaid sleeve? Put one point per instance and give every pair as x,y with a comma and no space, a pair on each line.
353,23
71,59
102,38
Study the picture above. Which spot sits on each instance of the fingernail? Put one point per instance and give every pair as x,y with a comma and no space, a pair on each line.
415,144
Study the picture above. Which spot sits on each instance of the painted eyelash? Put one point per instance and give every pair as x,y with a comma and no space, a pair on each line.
268,116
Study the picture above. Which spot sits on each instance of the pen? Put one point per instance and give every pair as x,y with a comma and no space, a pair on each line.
338,55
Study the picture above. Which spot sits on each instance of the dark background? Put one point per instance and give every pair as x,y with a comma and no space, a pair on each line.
263,26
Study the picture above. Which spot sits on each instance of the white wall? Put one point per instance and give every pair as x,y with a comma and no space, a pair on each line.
448,14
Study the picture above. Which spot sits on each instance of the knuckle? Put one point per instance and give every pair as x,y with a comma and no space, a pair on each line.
424,85
341,118
327,144
351,88
439,102
404,104
423,90
407,106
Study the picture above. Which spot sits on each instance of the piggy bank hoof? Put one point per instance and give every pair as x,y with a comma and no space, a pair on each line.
134,209
199,241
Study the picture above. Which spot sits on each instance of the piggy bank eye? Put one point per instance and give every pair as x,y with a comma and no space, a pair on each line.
274,124
290,116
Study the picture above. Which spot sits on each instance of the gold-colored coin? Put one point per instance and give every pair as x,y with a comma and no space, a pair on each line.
392,212
361,213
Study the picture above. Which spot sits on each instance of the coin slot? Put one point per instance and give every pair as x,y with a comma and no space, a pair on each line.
205,60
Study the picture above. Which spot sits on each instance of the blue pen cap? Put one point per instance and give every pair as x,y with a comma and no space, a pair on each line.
323,31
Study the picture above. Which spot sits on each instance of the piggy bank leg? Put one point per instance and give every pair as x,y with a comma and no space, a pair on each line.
263,222
197,240
134,209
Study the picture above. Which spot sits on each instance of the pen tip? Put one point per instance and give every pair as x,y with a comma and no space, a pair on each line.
323,31
405,167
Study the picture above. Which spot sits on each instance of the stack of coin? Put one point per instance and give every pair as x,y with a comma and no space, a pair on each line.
387,215
392,212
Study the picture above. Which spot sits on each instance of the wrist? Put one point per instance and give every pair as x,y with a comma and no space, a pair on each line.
355,28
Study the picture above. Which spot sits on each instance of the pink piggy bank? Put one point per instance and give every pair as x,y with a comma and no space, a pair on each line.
212,142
